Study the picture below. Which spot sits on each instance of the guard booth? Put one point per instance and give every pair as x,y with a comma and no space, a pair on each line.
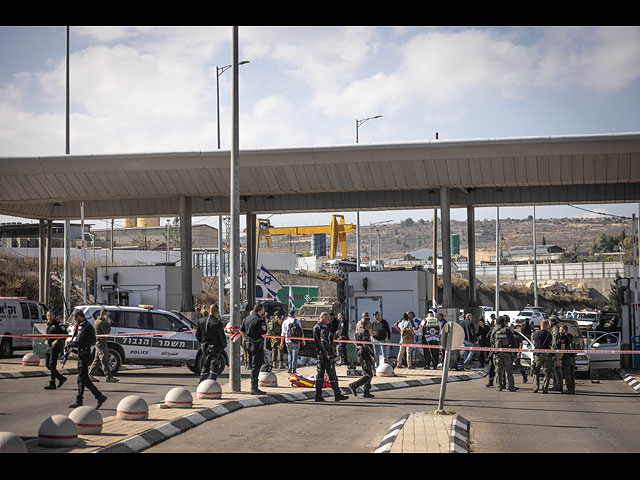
392,293
630,323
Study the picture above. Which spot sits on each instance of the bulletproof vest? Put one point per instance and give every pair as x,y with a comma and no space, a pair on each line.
500,339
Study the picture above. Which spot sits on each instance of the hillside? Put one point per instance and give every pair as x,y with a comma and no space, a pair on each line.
414,234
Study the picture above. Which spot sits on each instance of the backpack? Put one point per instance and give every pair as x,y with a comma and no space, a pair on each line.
407,333
294,330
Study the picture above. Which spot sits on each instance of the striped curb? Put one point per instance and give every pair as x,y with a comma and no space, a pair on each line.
459,435
629,380
390,437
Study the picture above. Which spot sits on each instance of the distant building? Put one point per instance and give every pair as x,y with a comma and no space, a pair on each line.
26,235
150,238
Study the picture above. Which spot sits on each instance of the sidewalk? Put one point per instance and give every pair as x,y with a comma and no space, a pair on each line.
420,432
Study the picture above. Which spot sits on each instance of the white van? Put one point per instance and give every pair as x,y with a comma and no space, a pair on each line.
17,317
144,335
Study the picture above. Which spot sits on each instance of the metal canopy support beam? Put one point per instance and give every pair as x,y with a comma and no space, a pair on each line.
234,198
185,254
41,261
252,259
220,268
471,255
47,265
447,300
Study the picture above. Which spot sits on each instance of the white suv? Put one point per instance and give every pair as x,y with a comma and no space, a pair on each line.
146,336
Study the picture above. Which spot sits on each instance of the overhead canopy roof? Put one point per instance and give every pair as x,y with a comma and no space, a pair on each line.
484,172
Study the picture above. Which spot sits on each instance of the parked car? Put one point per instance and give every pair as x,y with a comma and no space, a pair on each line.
534,315
589,362
587,319
146,336
17,317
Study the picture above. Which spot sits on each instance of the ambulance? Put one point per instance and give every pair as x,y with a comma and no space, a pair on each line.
18,315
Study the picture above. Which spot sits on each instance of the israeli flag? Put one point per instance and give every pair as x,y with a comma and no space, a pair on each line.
270,283
291,302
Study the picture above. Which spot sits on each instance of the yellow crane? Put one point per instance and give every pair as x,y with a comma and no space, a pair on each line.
338,230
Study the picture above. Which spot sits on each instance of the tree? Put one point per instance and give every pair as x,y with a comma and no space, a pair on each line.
612,299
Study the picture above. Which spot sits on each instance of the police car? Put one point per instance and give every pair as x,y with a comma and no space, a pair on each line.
144,335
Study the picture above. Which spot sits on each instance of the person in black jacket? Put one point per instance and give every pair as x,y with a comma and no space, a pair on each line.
343,334
323,340
483,340
254,330
210,334
84,337
54,348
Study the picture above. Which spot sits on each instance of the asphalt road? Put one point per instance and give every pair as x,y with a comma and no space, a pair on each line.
602,417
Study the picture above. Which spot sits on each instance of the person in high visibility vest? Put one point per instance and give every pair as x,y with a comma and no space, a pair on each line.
430,333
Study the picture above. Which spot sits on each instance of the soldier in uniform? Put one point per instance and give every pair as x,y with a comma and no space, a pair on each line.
84,338
503,338
567,360
556,367
274,329
366,356
542,361
210,334
54,348
254,330
326,358
102,326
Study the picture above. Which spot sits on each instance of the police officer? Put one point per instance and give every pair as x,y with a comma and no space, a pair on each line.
366,356
503,338
567,360
102,327
254,330
54,348
542,362
430,331
84,338
210,334
326,358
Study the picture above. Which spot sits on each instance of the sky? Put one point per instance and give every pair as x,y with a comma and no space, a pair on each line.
153,89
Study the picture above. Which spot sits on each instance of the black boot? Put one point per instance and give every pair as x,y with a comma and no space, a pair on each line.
51,386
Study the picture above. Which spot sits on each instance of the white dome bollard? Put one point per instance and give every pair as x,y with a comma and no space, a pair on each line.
11,443
178,397
267,379
58,431
132,407
87,419
31,360
208,389
384,370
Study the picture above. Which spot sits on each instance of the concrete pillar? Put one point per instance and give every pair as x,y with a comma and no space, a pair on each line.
447,298
435,257
251,261
471,243
47,266
41,261
185,254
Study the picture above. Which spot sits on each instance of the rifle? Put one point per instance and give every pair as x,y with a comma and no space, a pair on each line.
68,349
